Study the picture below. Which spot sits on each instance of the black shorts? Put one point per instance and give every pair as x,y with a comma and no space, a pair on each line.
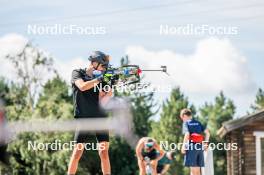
86,137
160,168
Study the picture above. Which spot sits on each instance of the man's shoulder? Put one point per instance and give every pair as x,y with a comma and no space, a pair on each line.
195,122
199,121
80,70
77,74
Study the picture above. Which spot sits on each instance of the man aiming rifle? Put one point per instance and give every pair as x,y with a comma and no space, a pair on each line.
86,101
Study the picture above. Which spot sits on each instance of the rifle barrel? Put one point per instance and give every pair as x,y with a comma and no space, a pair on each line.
153,70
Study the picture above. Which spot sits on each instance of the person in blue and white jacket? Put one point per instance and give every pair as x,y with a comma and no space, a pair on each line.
194,142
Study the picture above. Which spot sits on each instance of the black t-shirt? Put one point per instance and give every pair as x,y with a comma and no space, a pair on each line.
153,154
86,103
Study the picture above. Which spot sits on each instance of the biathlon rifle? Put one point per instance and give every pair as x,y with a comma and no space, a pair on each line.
127,74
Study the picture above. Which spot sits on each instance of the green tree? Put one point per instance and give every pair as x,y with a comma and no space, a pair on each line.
143,106
54,103
32,66
213,115
13,96
122,157
259,101
18,107
4,90
169,126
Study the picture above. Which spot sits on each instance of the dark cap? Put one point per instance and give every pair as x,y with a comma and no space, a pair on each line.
99,57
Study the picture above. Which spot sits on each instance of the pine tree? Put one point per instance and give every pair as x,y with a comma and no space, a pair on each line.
169,127
4,90
143,106
259,101
54,103
32,66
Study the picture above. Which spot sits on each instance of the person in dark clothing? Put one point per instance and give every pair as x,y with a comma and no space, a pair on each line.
148,147
165,162
86,102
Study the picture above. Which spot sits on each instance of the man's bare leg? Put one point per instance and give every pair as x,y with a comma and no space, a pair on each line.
154,165
104,156
76,155
195,170
142,167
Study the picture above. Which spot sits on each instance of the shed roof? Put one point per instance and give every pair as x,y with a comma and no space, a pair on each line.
240,122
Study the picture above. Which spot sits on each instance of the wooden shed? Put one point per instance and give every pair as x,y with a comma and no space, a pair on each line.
248,133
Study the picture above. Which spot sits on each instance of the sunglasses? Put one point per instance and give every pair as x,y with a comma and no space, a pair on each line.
149,144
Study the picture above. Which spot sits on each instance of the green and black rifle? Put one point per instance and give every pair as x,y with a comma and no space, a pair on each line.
127,74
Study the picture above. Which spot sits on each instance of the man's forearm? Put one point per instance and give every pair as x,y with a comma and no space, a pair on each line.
139,156
186,138
185,141
138,153
88,85
207,135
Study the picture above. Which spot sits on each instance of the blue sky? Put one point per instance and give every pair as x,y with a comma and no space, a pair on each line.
134,27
